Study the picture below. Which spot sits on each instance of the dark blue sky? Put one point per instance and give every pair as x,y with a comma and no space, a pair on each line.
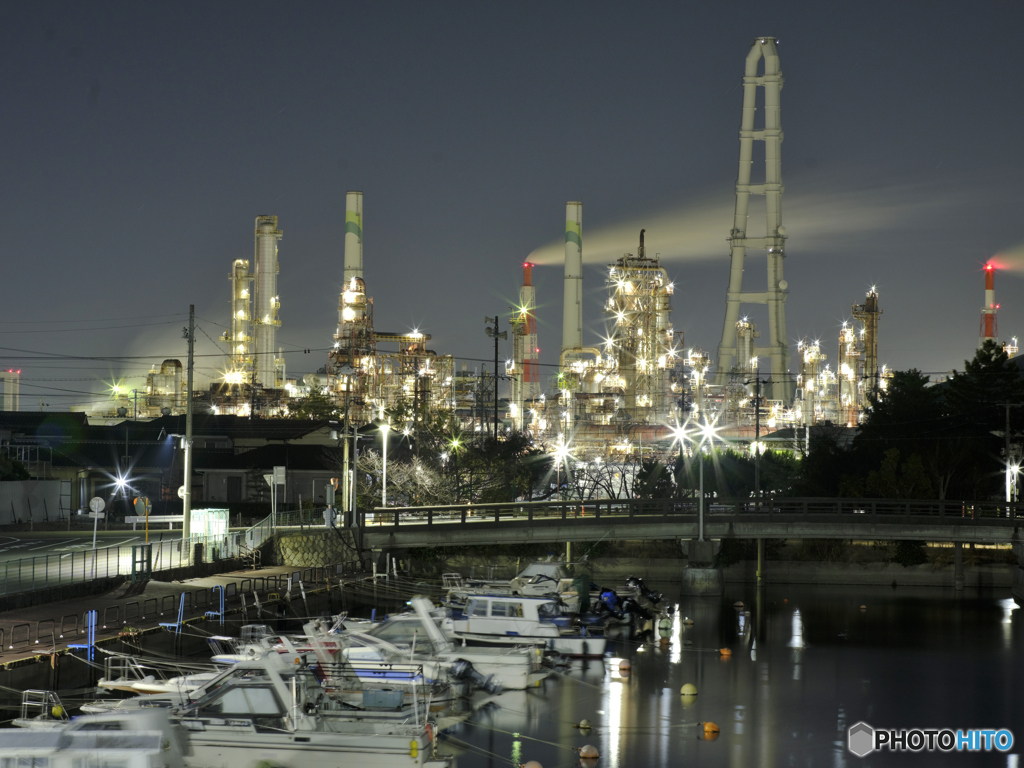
141,140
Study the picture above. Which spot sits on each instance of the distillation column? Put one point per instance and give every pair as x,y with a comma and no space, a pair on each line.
266,302
240,349
353,237
572,306
868,313
781,386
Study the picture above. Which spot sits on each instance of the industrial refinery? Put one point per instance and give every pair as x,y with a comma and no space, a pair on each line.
623,394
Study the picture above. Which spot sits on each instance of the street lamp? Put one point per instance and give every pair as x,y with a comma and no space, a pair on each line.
561,453
705,434
456,443
384,477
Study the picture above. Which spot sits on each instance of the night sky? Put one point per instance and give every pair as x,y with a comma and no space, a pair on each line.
141,140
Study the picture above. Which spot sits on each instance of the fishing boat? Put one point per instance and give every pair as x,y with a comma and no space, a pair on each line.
421,635
509,620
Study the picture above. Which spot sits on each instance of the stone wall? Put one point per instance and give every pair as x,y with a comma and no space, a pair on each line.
315,548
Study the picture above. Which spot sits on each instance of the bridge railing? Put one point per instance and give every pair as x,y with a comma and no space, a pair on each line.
947,510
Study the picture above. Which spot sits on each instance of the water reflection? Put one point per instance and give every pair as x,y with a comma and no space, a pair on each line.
816,665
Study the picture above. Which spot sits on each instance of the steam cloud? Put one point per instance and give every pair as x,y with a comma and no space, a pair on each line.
823,222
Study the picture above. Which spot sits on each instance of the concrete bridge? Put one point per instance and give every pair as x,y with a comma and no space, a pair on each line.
957,522
640,519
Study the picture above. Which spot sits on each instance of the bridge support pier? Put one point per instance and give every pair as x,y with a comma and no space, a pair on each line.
958,565
760,563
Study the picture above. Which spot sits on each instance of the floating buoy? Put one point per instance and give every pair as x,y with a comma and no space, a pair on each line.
725,652
738,604
687,621
664,627
57,711
624,665
532,764
688,690
589,750
664,641
584,725
863,607
785,599
710,731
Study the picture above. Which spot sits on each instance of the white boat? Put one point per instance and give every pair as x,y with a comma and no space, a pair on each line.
512,620
281,710
41,711
144,740
128,674
421,635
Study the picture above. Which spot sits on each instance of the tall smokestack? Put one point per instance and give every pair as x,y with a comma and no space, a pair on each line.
988,313
572,307
353,236
774,241
265,301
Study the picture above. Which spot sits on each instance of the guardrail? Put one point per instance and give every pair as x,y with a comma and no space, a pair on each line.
58,568
950,511
79,564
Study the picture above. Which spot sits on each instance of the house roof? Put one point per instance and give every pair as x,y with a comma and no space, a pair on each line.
239,427
294,457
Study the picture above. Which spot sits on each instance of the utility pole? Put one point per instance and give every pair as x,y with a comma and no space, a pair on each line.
493,333
190,333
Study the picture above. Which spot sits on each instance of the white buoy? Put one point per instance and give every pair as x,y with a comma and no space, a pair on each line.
589,750
532,764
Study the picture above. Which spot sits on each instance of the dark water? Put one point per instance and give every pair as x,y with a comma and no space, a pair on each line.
804,667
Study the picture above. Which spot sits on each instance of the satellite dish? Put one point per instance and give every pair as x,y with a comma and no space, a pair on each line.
96,504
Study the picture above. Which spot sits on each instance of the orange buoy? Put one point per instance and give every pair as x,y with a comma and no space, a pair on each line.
710,731
725,652
863,607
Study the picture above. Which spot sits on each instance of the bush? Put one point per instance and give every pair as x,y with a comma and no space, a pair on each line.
909,553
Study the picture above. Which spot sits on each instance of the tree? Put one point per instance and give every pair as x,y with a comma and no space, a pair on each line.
316,406
10,469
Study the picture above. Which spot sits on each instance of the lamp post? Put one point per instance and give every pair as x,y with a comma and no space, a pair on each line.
560,454
707,433
384,428
455,443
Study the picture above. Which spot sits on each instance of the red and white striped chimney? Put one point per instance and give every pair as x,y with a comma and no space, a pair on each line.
988,312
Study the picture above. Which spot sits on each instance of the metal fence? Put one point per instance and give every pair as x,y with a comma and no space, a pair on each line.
78,564
944,511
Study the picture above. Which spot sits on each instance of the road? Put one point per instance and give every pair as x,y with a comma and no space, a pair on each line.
19,544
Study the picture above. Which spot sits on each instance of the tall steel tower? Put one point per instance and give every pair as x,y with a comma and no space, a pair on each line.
774,238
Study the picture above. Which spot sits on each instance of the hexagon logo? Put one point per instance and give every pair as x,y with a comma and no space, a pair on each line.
861,739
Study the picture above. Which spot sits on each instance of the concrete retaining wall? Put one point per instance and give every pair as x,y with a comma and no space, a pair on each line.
315,548
870,574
